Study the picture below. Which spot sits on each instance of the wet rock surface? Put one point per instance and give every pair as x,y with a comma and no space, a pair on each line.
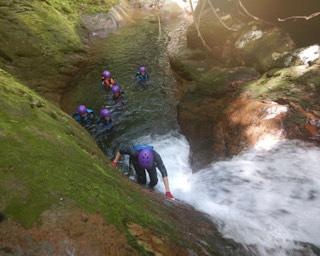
225,109
68,230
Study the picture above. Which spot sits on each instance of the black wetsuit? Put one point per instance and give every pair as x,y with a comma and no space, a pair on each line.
142,78
118,101
88,120
104,127
141,172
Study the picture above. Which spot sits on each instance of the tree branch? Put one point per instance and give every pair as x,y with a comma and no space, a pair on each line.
247,12
313,15
251,15
219,19
204,43
201,11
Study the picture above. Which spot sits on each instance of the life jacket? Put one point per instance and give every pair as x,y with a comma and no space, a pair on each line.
141,77
107,83
140,147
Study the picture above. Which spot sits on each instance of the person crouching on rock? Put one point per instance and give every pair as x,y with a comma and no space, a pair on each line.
145,158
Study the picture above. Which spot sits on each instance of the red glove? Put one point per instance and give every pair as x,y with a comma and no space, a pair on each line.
114,164
169,195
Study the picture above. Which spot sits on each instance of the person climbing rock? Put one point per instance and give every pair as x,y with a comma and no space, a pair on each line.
145,158
142,75
86,117
104,125
107,80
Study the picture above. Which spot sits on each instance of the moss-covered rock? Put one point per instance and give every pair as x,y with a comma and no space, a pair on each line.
41,41
224,110
50,166
259,47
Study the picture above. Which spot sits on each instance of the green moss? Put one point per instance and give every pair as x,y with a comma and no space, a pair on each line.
41,41
47,160
298,84
258,53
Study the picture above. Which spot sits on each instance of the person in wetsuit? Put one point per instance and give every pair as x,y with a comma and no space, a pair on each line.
86,117
145,159
117,96
104,125
142,75
107,80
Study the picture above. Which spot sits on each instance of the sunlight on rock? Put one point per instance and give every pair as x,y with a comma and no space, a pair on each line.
310,54
248,37
274,111
300,70
185,5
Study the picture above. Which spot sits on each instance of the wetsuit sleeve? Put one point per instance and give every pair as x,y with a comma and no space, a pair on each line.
160,164
76,117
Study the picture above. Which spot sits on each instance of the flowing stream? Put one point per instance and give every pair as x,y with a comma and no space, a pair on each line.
266,198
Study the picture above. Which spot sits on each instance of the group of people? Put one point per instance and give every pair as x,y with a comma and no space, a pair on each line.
143,158
88,119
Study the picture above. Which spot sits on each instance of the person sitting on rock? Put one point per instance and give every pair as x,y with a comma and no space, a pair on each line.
86,117
107,80
142,75
105,122
145,158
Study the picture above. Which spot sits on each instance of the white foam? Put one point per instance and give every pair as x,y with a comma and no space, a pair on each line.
269,198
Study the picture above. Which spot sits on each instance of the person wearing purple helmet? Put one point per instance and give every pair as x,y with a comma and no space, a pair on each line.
84,116
106,74
145,159
105,122
117,96
107,80
142,74
105,114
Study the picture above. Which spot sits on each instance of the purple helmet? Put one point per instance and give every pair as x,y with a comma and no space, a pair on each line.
104,112
146,158
115,89
106,74
142,69
82,109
